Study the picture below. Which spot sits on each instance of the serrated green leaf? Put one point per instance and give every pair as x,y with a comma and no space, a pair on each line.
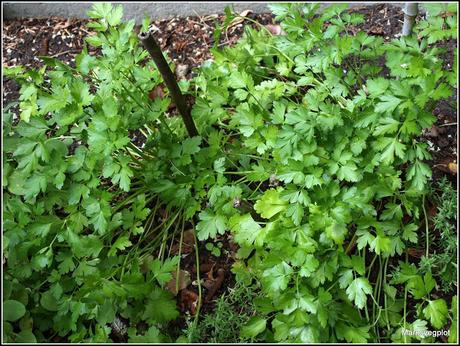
358,290
349,172
378,86
105,313
247,231
309,266
160,307
409,232
337,232
253,327
270,204
162,271
151,336
388,103
115,16
277,278
436,312
121,244
210,225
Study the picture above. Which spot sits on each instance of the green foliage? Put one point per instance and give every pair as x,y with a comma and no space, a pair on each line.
346,172
14,310
231,320
443,263
308,153
76,201
215,249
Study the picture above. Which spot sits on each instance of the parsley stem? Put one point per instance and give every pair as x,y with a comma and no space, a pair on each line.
248,155
370,266
427,235
376,295
405,302
197,258
255,190
240,172
351,244
180,253
128,200
385,295
255,22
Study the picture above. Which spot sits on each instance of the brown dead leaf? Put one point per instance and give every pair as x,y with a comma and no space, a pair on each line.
63,25
207,283
188,301
233,249
447,14
239,19
245,13
204,268
217,284
44,48
417,253
181,71
210,272
180,45
188,243
433,131
376,30
275,29
157,92
452,167
184,281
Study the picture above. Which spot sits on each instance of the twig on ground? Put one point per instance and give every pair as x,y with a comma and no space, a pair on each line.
448,124
70,51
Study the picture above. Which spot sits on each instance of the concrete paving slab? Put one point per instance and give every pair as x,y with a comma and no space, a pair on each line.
135,10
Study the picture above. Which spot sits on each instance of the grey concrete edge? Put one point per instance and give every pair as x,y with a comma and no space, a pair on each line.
138,10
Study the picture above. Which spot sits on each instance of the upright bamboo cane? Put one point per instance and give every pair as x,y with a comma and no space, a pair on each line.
155,52
410,12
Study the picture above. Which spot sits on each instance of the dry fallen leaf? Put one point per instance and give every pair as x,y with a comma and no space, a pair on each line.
181,71
433,131
452,167
184,281
157,92
188,243
62,25
208,283
275,29
376,30
239,19
217,284
417,253
188,301
245,13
